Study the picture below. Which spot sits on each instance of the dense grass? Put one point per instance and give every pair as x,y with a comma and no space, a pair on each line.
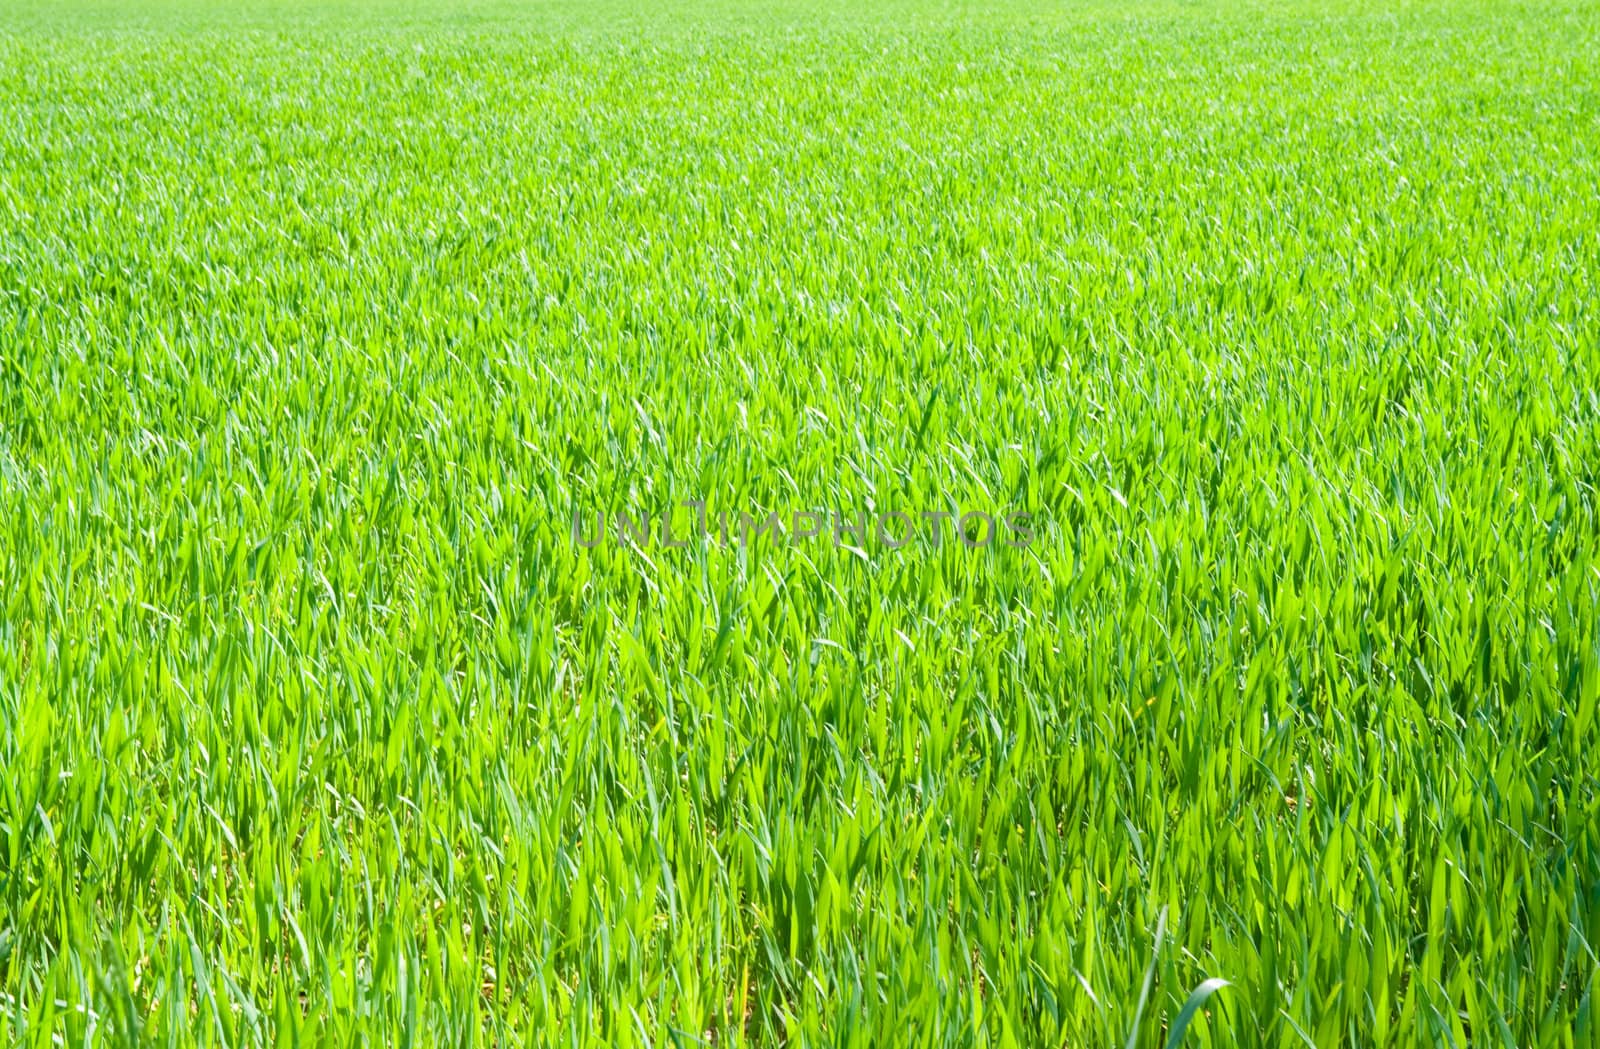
317,324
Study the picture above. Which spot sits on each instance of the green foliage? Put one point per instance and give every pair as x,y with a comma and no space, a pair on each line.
317,323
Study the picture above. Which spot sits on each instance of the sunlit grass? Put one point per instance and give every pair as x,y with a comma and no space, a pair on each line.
318,324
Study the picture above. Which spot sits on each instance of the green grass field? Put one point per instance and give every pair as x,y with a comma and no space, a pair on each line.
320,324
